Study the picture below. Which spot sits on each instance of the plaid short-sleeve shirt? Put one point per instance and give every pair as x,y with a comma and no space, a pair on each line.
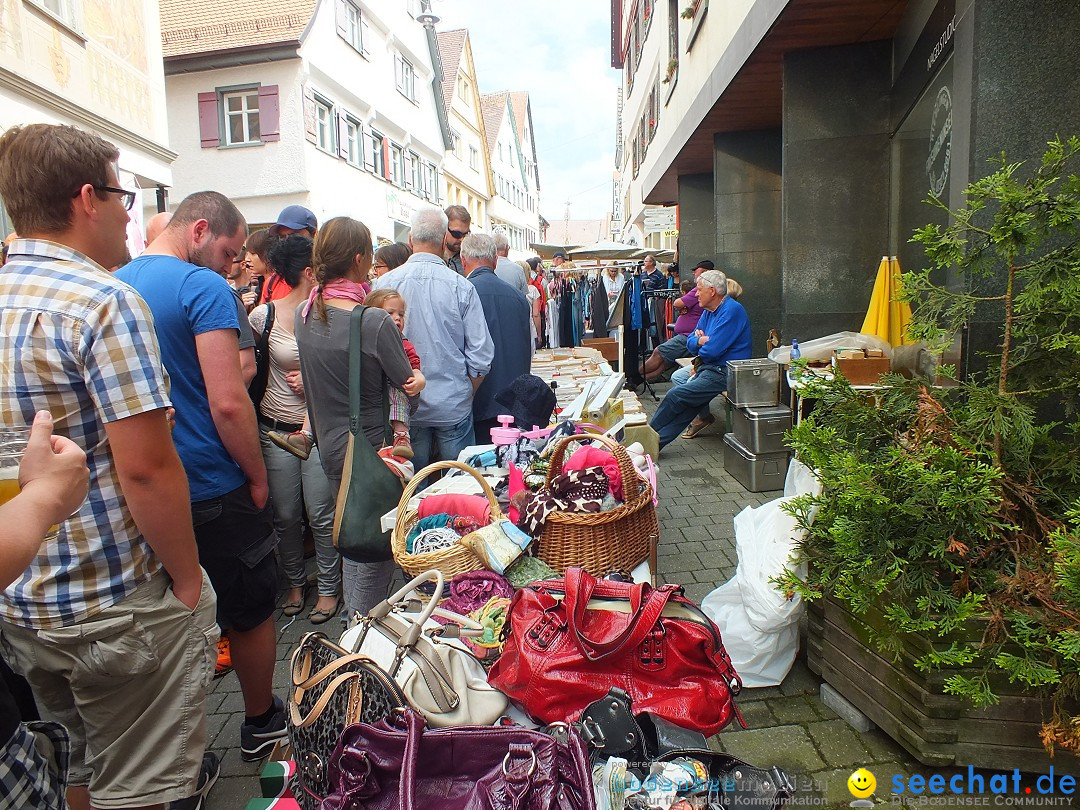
79,343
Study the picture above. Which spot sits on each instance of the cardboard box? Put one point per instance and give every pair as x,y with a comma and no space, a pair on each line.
858,368
274,779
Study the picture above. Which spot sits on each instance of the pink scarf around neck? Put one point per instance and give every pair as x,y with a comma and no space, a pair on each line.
339,288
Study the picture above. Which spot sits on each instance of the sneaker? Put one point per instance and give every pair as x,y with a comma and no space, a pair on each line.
256,741
224,657
402,447
211,769
298,443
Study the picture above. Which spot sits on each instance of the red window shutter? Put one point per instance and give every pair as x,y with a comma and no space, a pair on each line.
269,113
386,159
209,130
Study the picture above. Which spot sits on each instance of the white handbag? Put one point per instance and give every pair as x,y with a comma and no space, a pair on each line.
440,677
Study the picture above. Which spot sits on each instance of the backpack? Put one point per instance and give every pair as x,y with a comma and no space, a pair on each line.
257,387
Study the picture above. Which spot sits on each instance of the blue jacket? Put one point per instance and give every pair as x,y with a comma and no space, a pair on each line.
508,317
728,329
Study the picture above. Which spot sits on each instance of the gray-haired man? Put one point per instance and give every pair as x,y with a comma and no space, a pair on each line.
722,334
446,325
508,271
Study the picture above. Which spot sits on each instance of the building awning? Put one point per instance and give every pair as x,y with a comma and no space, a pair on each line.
750,93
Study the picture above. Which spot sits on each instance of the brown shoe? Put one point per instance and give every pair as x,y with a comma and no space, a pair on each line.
402,447
695,427
298,443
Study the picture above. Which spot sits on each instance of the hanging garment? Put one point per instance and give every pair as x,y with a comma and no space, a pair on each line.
600,312
635,303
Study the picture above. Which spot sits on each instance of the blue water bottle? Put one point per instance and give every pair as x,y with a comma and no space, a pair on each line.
796,353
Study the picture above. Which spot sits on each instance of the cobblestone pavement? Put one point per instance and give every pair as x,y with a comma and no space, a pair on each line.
788,725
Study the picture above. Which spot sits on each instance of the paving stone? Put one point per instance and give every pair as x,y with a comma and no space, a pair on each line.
233,765
233,702
796,709
759,693
231,793
800,681
756,713
228,738
846,710
881,746
838,744
788,747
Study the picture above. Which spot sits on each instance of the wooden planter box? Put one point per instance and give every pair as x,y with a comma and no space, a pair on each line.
937,729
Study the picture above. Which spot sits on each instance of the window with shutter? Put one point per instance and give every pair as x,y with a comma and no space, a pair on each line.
325,126
372,150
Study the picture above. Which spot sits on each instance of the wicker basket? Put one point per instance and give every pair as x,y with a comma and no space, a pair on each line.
601,542
455,559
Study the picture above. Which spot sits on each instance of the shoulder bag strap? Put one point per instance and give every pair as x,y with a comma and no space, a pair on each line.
356,355
647,605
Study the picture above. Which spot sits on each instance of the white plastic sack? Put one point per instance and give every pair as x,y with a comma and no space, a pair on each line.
759,624
821,349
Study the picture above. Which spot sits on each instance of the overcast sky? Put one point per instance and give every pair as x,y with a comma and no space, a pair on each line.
559,51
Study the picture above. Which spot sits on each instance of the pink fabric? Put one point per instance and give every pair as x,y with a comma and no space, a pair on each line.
516,485
598,457
474,506
339,288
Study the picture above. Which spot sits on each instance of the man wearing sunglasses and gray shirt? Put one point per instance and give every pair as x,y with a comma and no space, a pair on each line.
458,226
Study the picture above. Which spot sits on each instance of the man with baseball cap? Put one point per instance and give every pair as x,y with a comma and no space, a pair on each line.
292,219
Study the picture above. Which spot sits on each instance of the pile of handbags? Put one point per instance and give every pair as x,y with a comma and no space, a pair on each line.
627,681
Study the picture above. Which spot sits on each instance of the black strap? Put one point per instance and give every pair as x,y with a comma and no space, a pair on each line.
270,314
356,359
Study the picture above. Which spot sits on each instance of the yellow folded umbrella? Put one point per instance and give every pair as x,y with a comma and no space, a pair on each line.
887,317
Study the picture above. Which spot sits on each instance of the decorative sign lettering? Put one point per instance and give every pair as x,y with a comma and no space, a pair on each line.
939,46
941,123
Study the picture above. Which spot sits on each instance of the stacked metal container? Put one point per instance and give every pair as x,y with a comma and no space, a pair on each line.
754,451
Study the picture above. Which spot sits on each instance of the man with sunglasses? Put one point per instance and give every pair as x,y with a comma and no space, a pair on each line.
459,222
113,624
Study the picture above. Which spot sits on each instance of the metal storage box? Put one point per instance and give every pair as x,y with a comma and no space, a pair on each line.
753,382
757,472
760,428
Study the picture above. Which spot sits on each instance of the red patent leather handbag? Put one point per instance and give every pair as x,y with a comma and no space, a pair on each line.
573,639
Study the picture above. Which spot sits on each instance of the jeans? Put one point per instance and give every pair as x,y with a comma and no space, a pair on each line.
686,400
295,484
366,584
450,440
682,377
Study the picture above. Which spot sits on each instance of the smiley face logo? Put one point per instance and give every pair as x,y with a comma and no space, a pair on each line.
861,783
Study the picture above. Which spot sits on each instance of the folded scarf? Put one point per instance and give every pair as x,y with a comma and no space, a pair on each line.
470,590
598,457
572,491
474,506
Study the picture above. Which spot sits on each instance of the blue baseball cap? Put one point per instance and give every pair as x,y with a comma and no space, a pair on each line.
296,218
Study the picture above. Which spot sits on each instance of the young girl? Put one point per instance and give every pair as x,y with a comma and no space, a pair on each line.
392,302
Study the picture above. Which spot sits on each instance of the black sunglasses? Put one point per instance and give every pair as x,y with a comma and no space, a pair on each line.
457,234
126,197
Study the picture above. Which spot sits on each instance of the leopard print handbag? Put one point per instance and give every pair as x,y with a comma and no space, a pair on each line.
331,688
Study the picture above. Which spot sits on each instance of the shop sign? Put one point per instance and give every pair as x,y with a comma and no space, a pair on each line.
933,46
940,157
399,207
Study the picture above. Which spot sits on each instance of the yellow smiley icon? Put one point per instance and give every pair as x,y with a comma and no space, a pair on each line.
861,783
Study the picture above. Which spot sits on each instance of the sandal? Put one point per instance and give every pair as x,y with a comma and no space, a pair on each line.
319,616
695,427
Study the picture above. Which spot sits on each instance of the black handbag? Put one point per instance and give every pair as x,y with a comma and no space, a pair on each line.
331,689
257,386
368,487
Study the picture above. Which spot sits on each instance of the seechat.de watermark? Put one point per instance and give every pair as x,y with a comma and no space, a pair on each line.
967,789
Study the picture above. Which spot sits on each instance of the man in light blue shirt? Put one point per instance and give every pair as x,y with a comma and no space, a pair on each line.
445,322
508,271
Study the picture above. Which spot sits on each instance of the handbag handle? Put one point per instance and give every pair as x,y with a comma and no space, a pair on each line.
414,723
645,613
384,607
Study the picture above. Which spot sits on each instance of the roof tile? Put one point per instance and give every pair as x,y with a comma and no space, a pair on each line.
204,26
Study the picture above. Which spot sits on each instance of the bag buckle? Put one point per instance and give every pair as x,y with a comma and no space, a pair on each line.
653,649
543,633
592,733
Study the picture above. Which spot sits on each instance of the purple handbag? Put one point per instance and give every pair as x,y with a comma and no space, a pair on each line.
399,764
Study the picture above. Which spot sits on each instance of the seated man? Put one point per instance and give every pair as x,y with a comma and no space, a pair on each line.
722,334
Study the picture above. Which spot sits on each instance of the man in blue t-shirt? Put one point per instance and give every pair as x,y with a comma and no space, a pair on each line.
195,316
722,334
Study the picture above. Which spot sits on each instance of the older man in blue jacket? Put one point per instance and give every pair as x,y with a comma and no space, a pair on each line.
722,334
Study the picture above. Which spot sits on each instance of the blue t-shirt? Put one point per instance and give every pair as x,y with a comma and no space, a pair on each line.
187,300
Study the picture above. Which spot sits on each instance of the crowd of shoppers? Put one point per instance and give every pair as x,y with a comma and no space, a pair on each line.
200,401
